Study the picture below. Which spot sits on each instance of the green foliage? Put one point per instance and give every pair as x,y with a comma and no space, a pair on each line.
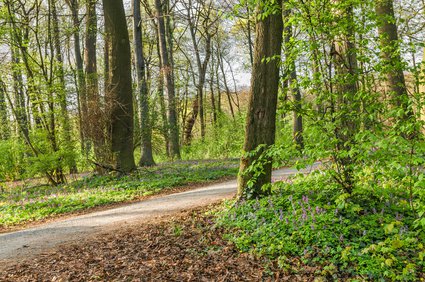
225,140
12,159
17,161
369,234
22,204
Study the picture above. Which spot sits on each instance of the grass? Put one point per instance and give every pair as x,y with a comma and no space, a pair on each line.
25,204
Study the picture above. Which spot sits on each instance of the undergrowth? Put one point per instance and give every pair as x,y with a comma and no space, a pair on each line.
372,234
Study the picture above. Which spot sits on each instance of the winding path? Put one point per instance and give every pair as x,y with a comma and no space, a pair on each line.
33,241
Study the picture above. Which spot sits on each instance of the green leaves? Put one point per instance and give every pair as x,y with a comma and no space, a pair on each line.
368,233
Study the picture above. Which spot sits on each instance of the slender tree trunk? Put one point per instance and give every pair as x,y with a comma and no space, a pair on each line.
348,102
261,117
169,84
202,66
162,106
226,86
67,129
19,95
5,131
214,110
422,89
81,80
146,158
217,77
293,86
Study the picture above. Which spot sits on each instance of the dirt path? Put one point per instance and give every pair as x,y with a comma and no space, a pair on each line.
33,241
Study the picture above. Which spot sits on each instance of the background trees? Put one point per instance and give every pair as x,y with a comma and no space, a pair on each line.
342,64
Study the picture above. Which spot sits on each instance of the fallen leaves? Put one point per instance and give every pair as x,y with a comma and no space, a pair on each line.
151,252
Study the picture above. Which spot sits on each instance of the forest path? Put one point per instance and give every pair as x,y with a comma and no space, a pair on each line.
33,241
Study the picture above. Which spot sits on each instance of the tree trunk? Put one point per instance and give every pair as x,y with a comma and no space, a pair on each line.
169,84
146,158
94,124
213,102
64,116
261,117
348,102
226,86
121,85
5,131
21,116
81,83
293,86
391,59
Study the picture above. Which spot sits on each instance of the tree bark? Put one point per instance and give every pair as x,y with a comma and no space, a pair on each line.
391,59
348,103
261,117
293,86
146,158
94,119
64,115
121,86
169,84
81,83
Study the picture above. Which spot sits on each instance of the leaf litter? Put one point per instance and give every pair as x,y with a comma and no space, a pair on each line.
184,247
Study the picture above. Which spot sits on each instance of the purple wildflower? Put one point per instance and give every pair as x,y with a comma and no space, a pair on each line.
304,215
280,215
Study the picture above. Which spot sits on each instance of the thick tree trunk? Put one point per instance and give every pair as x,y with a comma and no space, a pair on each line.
146,158
391,59
261,116
169,84
121,85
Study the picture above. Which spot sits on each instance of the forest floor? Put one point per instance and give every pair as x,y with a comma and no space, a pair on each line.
183,247
149,240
